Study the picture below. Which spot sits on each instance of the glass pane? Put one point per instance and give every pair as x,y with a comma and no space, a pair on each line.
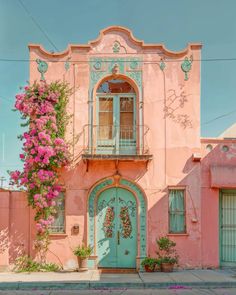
126,119
177,223
177,211
105,104
105,125
126,104
58,225
105,119
126,125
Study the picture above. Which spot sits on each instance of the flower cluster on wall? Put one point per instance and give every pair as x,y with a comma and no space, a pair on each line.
45,151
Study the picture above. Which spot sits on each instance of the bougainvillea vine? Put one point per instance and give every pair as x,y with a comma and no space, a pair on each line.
45,151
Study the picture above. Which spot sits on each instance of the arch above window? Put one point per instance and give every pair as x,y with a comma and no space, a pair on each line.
115,86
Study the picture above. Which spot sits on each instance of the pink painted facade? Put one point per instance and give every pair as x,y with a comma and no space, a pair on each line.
169,153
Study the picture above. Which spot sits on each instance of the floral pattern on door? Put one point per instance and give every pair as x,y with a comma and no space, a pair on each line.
108,224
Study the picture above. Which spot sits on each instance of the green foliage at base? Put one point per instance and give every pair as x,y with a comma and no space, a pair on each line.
27,264
150,262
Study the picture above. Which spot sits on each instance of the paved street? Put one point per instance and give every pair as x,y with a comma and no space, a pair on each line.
189,291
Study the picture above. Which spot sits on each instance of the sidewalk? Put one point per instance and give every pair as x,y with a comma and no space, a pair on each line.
95,280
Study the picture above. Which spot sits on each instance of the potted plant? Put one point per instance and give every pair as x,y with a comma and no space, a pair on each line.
150,264
83,252
167,254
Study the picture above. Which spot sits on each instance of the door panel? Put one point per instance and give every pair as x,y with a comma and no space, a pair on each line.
228,228
116,227
106,228
127,229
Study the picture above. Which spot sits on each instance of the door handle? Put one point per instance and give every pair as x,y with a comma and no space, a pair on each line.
118,237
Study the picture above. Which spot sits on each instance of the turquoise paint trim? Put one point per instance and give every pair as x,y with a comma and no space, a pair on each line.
177,220
94,285
220,224
221,194
91,263
142,209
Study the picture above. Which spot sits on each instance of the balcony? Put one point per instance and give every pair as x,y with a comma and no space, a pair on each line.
123,142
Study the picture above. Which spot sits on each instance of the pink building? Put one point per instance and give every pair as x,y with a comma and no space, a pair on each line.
140,169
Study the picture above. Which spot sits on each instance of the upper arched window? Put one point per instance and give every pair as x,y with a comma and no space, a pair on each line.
116,117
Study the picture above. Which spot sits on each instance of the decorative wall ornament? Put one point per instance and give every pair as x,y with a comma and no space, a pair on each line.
42,68
134,65
108,222
67,64
97,65
102,67
162,65
126,226
186,66
115,70
116,47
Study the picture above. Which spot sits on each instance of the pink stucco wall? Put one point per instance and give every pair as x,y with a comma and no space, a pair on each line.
217,172
172,140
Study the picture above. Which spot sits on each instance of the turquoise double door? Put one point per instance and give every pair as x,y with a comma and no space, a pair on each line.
116,229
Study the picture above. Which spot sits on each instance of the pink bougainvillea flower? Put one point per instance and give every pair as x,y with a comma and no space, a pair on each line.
44,149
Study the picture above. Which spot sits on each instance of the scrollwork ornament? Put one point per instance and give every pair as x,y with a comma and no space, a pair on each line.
42,68
186,66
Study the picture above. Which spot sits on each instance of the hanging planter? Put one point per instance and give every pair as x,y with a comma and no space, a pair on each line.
126,222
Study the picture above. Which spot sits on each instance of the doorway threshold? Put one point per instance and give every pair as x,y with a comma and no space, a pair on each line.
116,270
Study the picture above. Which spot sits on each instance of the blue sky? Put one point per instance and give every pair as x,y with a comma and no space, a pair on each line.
172,22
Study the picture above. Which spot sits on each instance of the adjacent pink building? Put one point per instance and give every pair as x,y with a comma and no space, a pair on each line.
140,169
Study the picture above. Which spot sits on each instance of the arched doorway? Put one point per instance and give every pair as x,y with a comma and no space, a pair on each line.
117,244
115,118
116,228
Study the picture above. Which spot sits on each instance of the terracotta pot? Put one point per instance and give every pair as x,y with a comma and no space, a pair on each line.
83,263
167,267
147,269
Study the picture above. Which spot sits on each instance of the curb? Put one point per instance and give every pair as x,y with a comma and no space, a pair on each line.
87,285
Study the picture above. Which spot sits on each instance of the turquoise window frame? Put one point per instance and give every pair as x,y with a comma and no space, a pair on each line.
221,193
177,210
114,143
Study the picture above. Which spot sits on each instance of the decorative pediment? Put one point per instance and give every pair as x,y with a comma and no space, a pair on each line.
116,40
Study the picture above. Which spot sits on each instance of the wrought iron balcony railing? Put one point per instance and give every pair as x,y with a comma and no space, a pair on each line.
115,140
